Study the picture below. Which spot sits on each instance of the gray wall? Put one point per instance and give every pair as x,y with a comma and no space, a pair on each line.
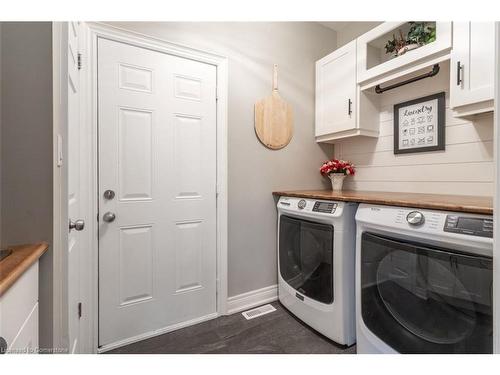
255,171
354,30
26,148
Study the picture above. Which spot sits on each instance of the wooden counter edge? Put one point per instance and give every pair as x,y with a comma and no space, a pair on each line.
466,208
38,250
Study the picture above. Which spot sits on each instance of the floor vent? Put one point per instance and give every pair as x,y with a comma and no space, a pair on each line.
259,311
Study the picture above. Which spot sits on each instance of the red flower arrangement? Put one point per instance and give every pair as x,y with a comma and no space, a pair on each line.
337,166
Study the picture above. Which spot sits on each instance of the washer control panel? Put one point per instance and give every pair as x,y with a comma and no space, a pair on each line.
474,226
324,207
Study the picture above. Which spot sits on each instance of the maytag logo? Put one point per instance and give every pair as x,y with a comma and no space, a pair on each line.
285,201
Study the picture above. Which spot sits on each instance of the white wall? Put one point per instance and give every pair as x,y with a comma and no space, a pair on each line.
466,167
255,171
26,148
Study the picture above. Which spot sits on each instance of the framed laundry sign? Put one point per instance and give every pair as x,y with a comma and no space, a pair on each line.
419,125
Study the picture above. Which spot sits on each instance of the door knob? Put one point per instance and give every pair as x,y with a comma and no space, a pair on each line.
77,225
109,217
109,194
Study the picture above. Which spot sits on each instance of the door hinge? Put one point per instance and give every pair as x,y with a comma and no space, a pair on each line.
79,61
79,310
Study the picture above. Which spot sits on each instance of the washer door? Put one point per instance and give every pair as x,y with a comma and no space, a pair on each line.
426,300
306,257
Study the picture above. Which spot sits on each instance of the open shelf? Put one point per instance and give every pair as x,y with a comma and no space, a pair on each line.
376,49
375,64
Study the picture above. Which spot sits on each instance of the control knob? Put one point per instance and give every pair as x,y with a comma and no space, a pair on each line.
301,204
415,218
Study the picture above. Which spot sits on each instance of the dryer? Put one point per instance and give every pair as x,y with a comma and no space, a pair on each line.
424,281
316,250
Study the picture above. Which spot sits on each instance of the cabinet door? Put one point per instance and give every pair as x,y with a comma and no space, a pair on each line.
472,63
17,304
336,91
26,341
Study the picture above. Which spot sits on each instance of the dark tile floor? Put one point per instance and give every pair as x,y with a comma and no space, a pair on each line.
278,332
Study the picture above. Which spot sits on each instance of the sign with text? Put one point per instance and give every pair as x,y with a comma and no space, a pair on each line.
419,125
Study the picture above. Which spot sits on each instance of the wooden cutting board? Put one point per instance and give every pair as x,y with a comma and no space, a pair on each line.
274,118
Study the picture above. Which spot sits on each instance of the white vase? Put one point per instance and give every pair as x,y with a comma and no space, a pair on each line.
337,180
407,48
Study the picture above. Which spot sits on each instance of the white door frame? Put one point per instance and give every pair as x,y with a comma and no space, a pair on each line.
59,108
496,206
60,195
92,32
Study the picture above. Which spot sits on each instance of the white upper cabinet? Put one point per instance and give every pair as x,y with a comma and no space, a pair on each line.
472,67
375,65
337,96
336,91
348,79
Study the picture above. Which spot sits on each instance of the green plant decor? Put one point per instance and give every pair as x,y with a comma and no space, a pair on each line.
420,33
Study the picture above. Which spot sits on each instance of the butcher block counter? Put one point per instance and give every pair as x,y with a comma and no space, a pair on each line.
21,259
456,203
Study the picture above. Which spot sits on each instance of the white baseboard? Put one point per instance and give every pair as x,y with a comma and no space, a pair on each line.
251,299
157,332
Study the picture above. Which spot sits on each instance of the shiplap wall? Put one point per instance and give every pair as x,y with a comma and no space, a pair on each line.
464,168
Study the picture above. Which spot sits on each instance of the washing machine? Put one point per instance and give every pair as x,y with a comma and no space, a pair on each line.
316,252
424,281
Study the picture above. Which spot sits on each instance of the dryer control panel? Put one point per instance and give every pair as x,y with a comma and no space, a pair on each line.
474,226
325,207
314,208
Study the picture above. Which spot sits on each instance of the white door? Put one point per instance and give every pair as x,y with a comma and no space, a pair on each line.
336,91
157,191
472,63
77,241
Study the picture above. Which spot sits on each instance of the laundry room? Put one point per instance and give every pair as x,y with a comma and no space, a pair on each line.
312,184
413,151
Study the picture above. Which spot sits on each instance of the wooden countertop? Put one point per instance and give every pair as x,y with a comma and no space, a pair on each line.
13,266
457,203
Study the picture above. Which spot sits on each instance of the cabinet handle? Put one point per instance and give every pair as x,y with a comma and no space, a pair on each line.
349,105
459,73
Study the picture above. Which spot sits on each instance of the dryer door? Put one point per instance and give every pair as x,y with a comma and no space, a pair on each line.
306,257
420,299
